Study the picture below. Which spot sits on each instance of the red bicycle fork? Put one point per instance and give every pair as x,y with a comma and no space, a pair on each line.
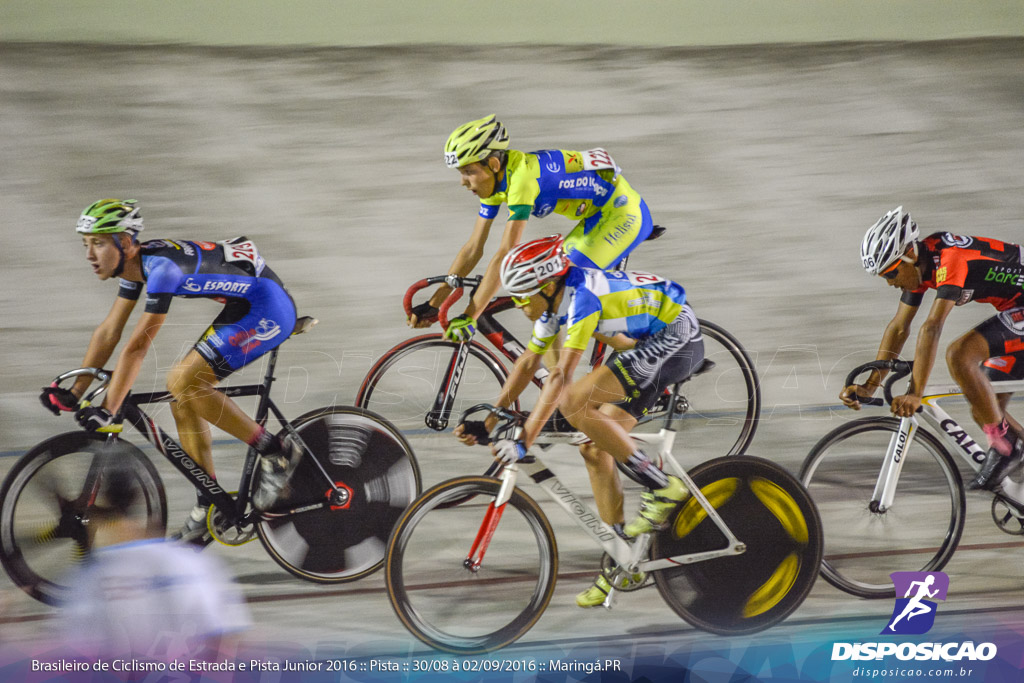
483,537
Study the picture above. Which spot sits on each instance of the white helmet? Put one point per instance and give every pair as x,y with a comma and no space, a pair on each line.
526,268
887,240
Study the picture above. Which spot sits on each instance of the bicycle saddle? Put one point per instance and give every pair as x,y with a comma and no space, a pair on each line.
304,324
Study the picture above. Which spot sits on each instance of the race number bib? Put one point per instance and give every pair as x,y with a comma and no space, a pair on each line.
637,278
244,251
597,160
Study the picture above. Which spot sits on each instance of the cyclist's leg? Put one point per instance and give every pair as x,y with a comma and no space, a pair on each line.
970,359
604,475
1007,361
964,358
605,238
243,332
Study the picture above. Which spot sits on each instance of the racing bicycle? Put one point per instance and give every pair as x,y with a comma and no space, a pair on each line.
889,491
738,556
356,476
422,382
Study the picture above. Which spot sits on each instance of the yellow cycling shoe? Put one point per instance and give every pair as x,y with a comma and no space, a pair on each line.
656,506
595,595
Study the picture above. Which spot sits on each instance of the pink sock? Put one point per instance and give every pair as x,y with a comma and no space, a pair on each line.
996,434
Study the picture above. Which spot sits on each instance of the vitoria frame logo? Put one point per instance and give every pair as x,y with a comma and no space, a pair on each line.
914,613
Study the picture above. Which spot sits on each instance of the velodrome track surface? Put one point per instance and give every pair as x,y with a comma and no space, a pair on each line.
766,164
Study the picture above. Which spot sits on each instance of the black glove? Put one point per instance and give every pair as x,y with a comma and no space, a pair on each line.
478,429
55,399
424,312
100,420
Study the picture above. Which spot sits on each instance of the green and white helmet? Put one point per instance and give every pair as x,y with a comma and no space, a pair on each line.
475,141
109,216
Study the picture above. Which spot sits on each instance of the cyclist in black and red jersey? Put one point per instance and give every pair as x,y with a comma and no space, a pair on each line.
960,268
258,315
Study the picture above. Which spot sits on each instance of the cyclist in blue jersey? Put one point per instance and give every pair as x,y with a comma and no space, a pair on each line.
657,339
258,315
586,187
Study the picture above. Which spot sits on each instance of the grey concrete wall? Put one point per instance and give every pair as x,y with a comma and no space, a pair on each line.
462,22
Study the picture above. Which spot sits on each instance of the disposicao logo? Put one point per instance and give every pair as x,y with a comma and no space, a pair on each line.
914,613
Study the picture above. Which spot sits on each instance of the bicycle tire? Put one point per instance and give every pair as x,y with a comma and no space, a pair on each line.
769,511
44,511
717,411
402,388
863,545
450,607
364,453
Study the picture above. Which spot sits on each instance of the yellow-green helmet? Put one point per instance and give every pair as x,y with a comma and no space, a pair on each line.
475,141
108,216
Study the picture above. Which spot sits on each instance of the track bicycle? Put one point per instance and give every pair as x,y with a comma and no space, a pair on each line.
738,556
356,476
420,383
889,491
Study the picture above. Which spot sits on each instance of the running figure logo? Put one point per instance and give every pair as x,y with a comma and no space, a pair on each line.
914,613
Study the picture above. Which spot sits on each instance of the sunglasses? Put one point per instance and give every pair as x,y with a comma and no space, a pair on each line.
520,300
895,268
891,274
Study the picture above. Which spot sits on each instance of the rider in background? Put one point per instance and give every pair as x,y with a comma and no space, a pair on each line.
142,596
960,269
612,219
658,343
258,315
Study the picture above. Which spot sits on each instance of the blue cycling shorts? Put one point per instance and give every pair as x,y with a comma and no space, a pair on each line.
248,328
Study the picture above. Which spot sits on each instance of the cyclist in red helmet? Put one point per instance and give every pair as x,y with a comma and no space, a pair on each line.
657,339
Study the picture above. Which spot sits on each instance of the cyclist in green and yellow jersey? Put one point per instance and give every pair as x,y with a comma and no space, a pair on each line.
587,187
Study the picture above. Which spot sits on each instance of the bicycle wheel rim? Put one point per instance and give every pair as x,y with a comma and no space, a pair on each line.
918,532
717,411
446,605
768,511
403,385
369,460
47,529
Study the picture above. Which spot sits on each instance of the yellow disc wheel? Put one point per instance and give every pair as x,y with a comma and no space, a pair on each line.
772,515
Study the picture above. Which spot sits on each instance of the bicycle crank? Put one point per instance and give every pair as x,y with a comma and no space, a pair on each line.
1008,516
227,533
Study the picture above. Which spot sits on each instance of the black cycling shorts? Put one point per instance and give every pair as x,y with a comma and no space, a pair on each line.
657,362
1005,336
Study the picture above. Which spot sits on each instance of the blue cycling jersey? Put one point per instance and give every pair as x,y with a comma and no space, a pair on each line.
214,270
259,314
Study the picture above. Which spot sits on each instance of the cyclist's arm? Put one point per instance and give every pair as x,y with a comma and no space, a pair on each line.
490,283
130,361
520,377
104,340
552,394
895,336
928,345
467,258
619,342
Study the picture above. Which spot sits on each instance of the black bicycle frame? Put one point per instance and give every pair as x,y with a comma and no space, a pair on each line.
232,508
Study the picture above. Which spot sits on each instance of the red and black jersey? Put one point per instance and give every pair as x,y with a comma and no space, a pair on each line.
963,268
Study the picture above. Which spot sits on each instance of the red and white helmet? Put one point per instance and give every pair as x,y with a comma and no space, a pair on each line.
526,268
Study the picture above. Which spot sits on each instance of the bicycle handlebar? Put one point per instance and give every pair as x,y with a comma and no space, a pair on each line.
899,369
508,419
455,282
99,373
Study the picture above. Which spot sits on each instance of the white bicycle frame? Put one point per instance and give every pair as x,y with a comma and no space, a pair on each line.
959,440
629,557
